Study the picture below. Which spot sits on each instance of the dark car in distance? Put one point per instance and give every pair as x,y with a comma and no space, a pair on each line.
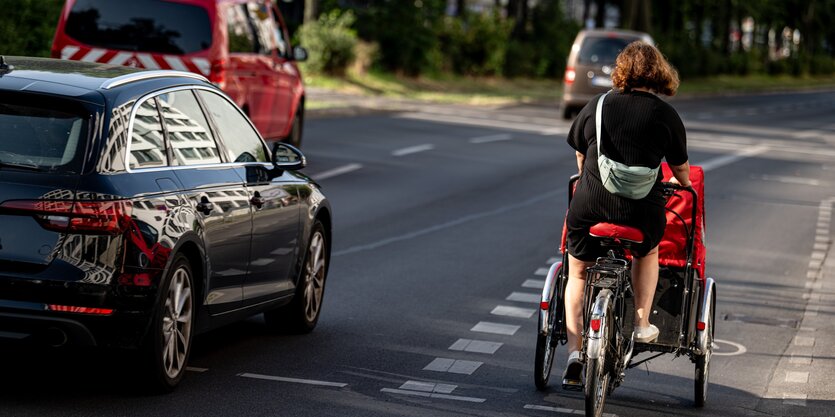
139,208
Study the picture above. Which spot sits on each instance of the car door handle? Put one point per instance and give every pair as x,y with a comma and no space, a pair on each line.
205,206
257,201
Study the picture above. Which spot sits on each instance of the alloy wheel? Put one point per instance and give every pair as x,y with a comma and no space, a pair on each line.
176,323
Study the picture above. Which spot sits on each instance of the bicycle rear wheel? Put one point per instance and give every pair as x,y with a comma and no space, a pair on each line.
546,345
598,363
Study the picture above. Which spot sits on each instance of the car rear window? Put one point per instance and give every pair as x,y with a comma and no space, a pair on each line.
40,139
154,26
602,51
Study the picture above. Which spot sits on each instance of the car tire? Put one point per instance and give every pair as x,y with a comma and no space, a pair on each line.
302,313
295,136
166,358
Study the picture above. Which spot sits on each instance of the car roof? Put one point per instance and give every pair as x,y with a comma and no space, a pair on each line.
613,33
75,78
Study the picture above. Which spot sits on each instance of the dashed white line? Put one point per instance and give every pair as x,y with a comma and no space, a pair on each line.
533,283
795,399
491,138
561,410
796,377
723,160
196,369
433,395
800,360
453,366
413,149
790,180
541,272
524,297
475,346
336,171
293,380
495,328
551,261
429,387
508,311
804,341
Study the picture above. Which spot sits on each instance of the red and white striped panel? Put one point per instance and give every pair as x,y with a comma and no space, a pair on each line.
136,59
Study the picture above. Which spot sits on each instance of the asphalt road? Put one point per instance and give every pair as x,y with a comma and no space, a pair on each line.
444,218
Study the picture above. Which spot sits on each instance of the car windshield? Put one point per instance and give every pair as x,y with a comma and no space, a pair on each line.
602,51
40,139
154,26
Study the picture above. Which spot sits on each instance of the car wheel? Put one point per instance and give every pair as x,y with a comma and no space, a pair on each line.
302,313
168,343
295,137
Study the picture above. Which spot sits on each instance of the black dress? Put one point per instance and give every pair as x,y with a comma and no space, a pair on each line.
638,129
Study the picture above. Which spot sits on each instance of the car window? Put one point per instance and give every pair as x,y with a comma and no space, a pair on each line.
601,51
189,135
147,143
242,141
264,25
141,25
239,29
40,137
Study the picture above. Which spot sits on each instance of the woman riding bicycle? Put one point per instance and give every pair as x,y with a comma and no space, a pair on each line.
639,129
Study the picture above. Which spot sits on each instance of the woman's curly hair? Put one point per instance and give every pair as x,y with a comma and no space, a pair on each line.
641,65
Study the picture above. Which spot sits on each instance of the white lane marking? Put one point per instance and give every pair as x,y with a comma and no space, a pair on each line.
413,149
476,346
196,369
796,377
818,255
452,223
804,341
428,387
739,348
561,410
533,283
524,297
433,395
820,246
491,138
552,260
821,239
293,380
495,328
336,171
453,366
499,124
508,311
723,160
541,272
789,180
800,360
554,131
795,399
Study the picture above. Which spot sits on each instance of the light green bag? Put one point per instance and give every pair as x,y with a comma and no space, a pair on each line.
621,179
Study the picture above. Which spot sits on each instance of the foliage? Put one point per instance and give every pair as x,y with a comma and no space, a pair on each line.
475,45
28,26
331,42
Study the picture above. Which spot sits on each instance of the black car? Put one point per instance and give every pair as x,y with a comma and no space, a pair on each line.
138,208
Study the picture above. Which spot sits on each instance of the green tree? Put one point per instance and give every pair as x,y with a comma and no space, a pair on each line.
28,26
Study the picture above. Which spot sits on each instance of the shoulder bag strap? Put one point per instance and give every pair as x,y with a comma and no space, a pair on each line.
598,121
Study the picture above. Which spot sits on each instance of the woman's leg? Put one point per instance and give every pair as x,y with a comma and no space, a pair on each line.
574,301
644,282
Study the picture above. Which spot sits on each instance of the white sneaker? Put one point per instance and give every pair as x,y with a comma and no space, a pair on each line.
646,334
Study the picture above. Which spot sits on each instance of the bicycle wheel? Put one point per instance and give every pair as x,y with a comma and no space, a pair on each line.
546,345
703,362
597,365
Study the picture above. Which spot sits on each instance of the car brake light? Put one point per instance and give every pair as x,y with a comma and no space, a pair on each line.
217,74
570,75
595,324
85,217
93,311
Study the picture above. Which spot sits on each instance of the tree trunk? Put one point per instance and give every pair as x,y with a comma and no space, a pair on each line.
461,8
600,17
311,10
586,11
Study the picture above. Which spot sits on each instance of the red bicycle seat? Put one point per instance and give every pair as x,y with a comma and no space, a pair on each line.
616,231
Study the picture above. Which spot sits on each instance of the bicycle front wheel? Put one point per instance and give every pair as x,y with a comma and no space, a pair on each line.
597,366
546,345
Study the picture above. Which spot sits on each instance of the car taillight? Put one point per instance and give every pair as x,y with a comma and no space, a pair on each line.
93,311
570,75
217,74
86,217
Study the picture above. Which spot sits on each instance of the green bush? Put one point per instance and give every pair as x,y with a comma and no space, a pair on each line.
330,41
475,46
406,33
28,26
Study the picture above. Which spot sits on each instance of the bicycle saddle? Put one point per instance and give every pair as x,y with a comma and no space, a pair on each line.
616,231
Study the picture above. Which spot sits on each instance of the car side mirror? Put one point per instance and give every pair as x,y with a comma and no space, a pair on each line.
287,157
299,54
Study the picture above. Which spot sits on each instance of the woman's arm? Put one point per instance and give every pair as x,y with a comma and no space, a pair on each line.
582,158
681,174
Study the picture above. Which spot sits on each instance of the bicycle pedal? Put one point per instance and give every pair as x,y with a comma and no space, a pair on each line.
572,385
